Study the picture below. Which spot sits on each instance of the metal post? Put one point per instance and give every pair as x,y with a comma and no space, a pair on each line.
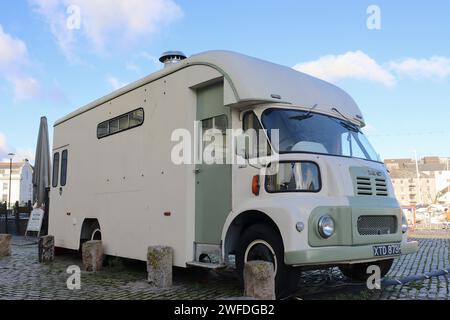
418,178
11,155
10,174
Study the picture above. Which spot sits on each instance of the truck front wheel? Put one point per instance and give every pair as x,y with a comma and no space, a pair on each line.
262,243
358,272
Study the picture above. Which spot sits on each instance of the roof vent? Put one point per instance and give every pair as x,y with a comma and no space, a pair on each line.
171,57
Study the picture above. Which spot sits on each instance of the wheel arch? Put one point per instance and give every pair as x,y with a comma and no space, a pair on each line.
89,225
234,229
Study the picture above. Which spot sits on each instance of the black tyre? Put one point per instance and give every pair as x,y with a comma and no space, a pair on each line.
262,243
358,272
94,231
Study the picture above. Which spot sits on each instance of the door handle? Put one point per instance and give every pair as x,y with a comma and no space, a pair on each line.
197,170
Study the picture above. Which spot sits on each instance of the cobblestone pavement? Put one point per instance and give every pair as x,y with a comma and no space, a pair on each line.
22,277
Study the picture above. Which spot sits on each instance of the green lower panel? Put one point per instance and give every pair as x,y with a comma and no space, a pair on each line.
332,255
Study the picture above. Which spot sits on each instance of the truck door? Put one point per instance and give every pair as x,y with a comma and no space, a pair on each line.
59,182
213,181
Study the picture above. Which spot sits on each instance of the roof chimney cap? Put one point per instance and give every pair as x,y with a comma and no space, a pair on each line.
171,57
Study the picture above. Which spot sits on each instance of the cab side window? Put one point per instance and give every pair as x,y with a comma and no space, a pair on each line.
257,144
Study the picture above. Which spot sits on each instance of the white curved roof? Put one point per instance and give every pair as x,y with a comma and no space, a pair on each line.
255,80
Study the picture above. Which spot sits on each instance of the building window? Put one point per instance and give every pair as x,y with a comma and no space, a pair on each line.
64,156
5,186
55,170
121,123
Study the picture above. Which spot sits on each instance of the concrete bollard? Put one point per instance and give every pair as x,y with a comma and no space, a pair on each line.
92,252
46,249
159,266
259,280
5,245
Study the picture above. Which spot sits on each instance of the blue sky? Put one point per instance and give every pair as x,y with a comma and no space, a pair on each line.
399,75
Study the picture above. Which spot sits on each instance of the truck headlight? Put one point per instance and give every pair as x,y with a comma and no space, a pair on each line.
326,227
404,223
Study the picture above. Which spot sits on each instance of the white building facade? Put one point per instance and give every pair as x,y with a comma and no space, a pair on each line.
21,182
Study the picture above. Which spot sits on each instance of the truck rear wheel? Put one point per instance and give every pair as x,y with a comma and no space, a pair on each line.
262,243
358,272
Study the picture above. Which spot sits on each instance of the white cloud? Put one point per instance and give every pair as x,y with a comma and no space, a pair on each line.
26,88
435,67
351,65
55,16
12,51
106,22
145,59
3,146
13,62
116,83
20,154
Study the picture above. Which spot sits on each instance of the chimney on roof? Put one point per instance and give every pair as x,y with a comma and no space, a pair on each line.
171,57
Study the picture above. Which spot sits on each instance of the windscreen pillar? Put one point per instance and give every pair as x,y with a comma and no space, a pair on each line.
259,280
46,249
92,252
159,266
5,245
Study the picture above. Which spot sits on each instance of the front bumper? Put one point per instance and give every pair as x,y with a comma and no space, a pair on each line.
341,255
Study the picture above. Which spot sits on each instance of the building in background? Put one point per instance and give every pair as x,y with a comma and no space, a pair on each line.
426,183
21,182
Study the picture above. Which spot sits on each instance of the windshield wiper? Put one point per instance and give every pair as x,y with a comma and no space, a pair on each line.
305,116
349,126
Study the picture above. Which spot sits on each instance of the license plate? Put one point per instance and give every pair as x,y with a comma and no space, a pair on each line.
387,250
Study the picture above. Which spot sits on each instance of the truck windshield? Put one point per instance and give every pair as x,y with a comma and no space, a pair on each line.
308,132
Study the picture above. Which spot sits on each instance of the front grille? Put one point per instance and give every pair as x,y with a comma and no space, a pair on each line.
377,225
366,186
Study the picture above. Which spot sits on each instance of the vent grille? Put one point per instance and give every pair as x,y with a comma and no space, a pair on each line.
366,186
381,187
377,225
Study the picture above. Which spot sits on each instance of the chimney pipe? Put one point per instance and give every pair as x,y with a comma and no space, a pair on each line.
171,57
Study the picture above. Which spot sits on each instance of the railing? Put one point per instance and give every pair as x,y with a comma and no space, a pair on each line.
14,220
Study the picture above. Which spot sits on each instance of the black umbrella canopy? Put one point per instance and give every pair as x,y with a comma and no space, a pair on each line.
41,174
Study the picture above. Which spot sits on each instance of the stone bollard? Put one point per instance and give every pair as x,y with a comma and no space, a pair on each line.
5,245
92,252
46,249
159,266
259,280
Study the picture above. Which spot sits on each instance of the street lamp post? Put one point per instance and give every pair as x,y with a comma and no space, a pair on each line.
11,155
